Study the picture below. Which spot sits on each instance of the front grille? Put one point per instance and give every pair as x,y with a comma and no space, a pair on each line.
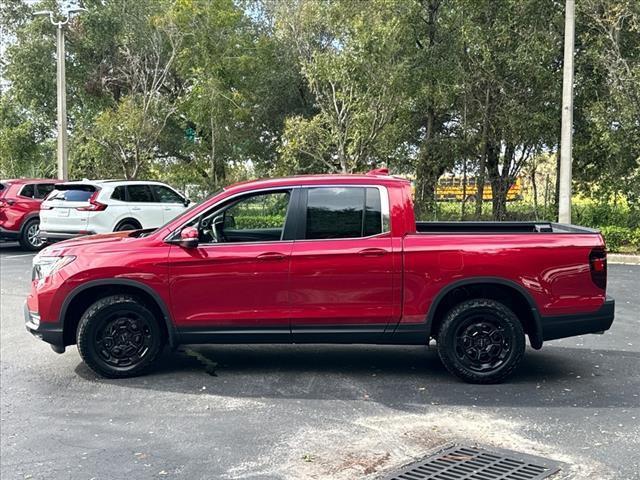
472,463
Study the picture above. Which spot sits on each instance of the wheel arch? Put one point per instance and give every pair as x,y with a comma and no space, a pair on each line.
510,293
127,219
84,295
27,217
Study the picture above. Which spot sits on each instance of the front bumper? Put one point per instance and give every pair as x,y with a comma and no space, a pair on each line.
563,326
47,332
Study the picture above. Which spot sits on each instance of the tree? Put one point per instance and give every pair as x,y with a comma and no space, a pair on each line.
607,138
349,58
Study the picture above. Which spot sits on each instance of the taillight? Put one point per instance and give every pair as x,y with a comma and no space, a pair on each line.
93,206
598,266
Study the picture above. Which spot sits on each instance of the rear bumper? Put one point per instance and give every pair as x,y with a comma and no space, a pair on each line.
58,236
563,326
47,332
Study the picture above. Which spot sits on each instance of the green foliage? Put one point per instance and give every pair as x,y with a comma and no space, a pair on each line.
259,221
615,237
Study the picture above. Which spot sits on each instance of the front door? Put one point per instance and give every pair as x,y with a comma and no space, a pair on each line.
236,280
172,203
343,266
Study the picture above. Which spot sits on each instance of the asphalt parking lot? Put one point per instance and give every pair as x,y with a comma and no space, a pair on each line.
310,412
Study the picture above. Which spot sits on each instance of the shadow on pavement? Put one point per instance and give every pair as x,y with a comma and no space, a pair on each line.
405,378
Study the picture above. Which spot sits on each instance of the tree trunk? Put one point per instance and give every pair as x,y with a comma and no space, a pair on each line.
499,203
498,191
534,185
218,170
483,158
427,174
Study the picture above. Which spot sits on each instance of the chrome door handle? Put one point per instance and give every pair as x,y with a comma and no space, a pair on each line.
372,252
271,256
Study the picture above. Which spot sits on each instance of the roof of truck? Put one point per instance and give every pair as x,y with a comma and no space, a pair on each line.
377,177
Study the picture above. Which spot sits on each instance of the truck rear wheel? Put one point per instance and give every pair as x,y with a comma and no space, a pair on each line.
481,341
118,336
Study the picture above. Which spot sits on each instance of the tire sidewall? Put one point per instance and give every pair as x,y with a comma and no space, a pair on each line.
501,315
95,318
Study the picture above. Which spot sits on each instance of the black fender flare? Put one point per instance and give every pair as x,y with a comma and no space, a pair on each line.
166,315
535,337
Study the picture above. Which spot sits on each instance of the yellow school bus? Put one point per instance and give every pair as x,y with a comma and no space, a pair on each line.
451,187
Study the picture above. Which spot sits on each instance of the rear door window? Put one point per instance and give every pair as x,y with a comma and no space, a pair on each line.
28,191
43,189
343,212
140,194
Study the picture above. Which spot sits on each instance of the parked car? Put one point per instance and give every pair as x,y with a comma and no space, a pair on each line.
20,201
321,259
88,207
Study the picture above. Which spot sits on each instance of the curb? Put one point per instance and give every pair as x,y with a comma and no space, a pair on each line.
622,259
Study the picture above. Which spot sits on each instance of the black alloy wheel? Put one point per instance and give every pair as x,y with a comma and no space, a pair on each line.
481,341
119,336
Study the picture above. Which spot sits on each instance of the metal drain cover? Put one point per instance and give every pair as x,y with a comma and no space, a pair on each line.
472,463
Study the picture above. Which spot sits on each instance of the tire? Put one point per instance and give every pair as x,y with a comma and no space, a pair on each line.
119,336
127,225
481,341
29,238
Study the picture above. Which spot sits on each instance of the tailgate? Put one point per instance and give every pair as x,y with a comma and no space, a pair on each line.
60,212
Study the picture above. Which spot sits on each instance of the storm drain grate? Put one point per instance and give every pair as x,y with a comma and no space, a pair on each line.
471,463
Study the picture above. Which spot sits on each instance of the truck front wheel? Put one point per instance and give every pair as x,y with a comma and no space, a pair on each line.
481,341
118,336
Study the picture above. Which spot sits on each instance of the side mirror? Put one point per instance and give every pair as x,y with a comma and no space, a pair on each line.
189,237
186,202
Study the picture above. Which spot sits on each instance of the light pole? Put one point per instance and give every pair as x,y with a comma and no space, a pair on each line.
61,86
566,132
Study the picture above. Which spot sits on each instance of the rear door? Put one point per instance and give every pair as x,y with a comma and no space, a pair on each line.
342,265
173,204
144,207
62,211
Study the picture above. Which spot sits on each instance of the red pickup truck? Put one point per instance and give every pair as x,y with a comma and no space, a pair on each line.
321,259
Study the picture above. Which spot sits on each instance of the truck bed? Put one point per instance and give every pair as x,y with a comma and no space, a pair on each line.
499,227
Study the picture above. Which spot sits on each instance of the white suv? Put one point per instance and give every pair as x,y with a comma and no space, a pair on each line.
87,207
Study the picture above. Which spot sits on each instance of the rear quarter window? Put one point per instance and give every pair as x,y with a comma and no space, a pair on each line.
119,194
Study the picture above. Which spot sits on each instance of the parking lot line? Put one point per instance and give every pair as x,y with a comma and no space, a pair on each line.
17,256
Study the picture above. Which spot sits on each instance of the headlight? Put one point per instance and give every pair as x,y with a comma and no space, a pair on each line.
46,266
